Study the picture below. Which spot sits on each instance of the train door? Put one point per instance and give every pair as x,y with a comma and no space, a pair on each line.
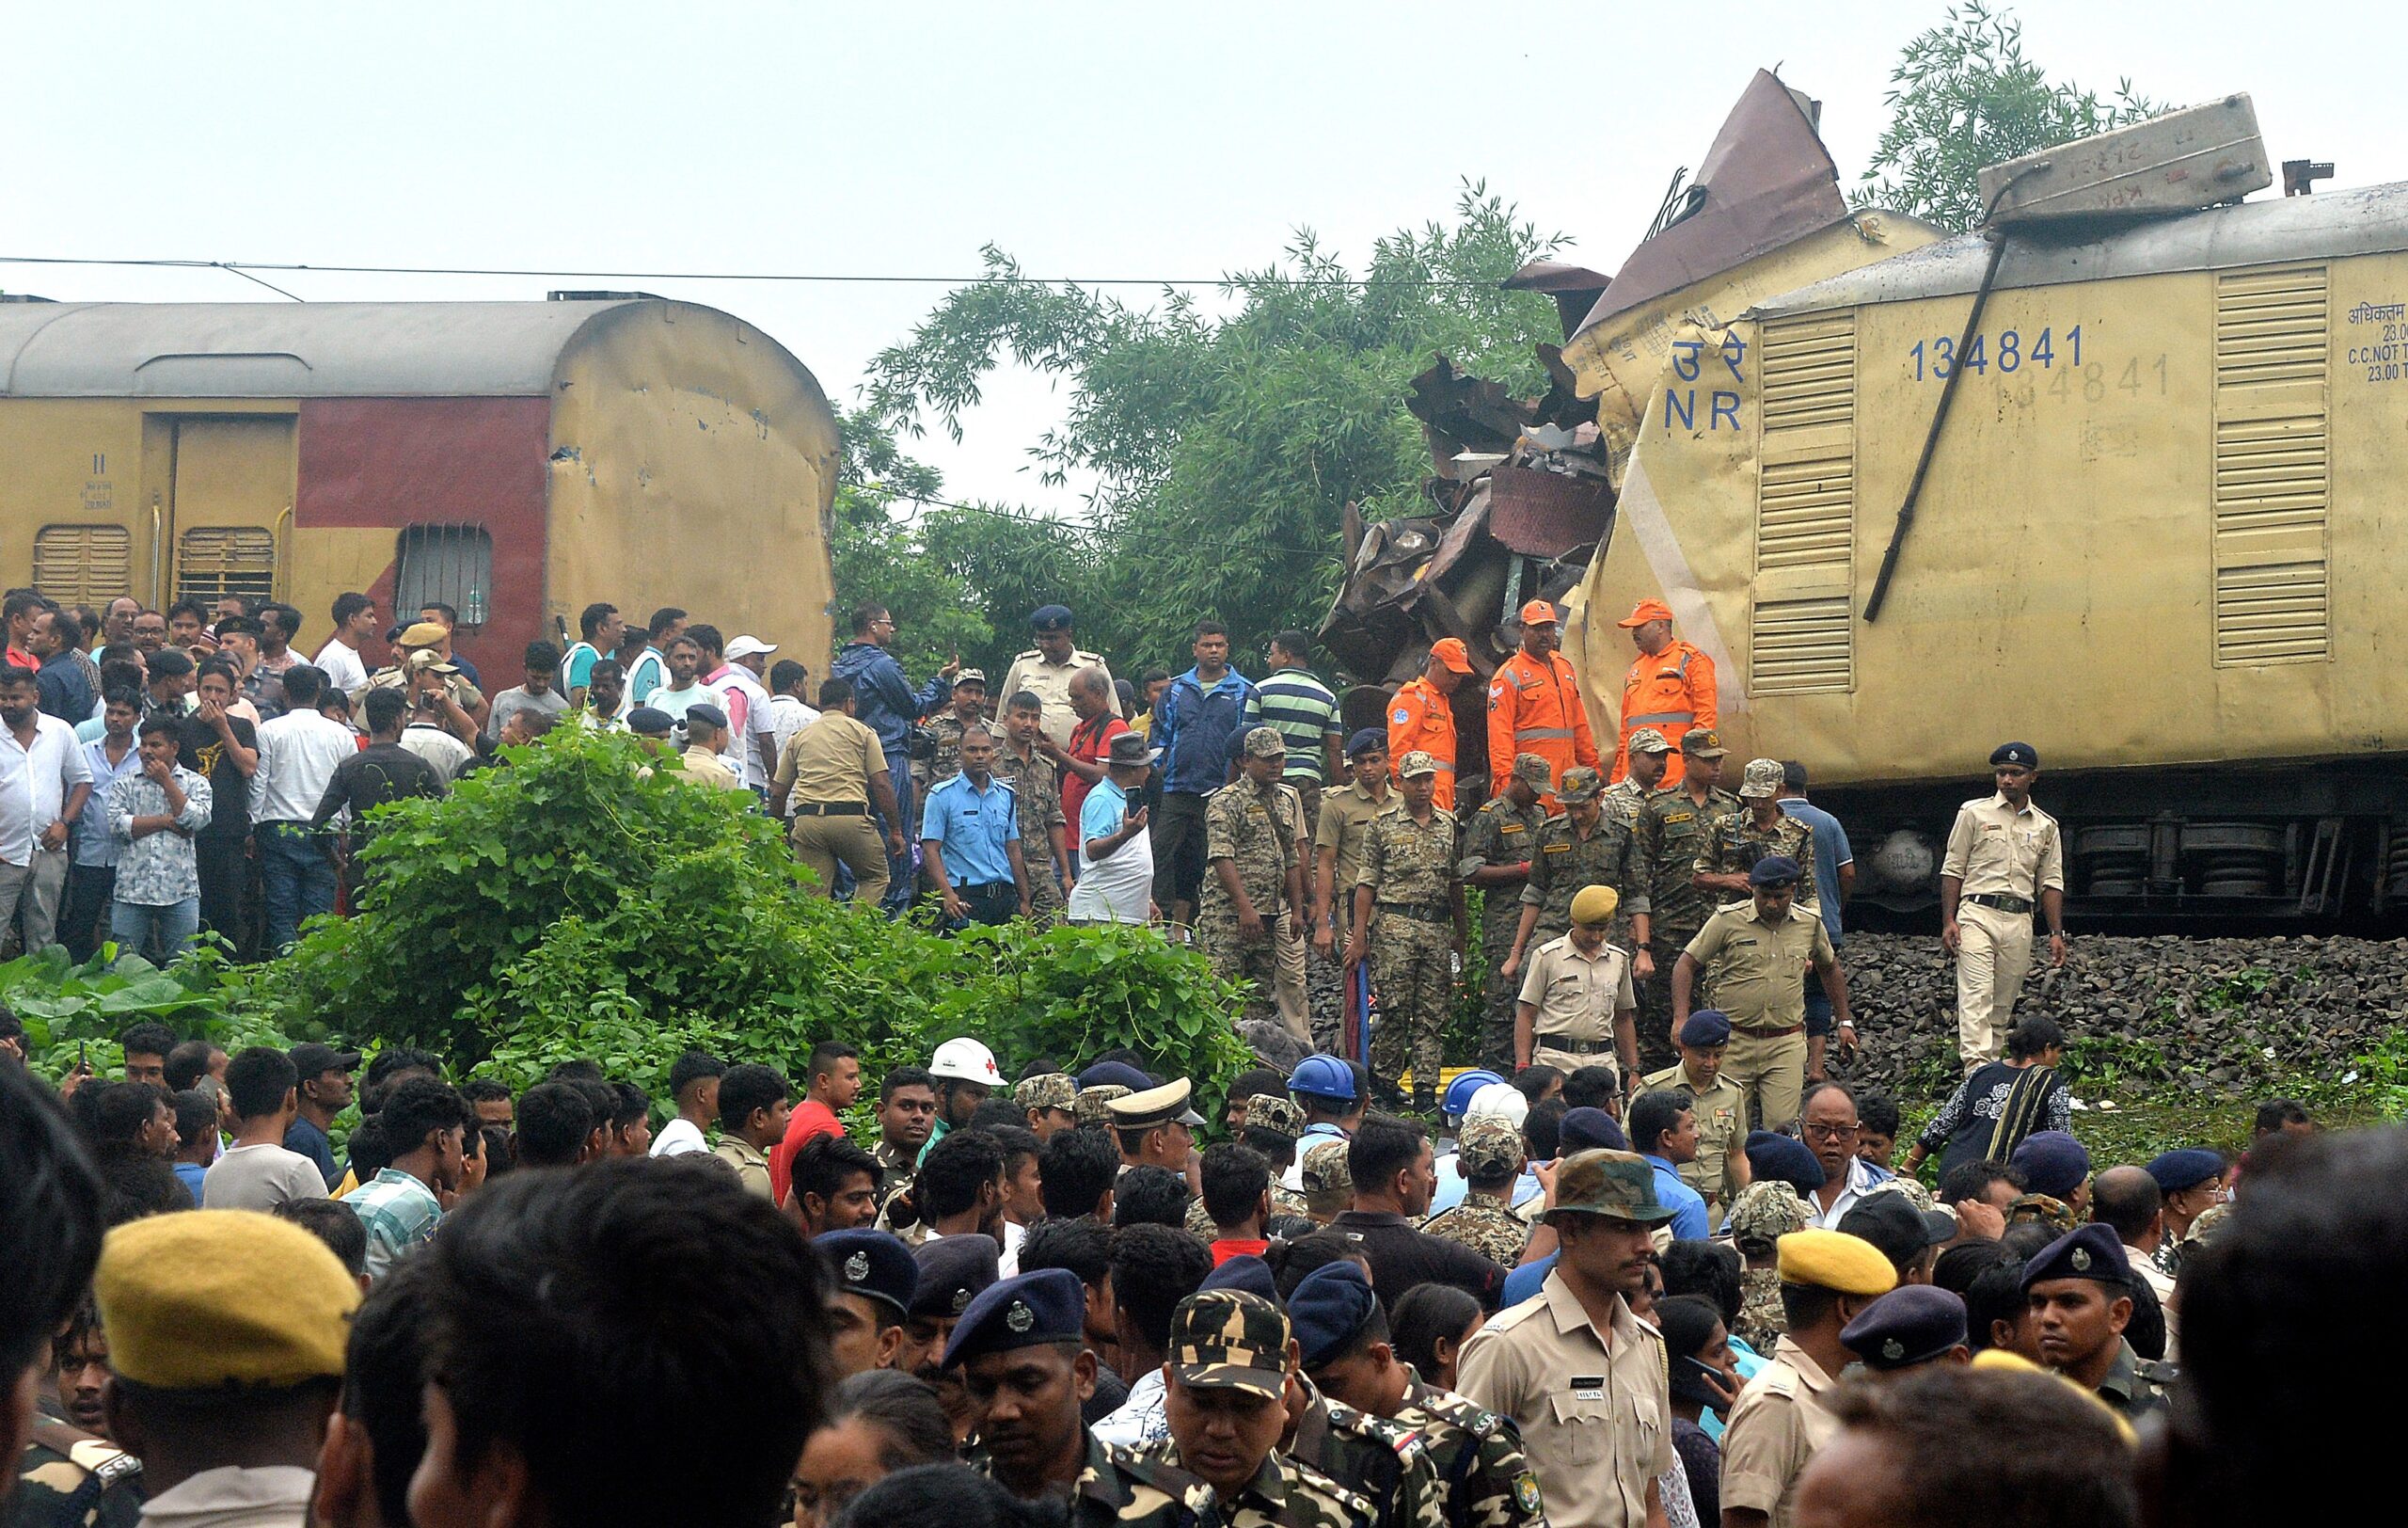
231,516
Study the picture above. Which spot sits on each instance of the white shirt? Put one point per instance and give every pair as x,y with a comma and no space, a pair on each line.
35,783
1861,1177
235,1496
1142,1418
439,747
680,1136
1117,889
298,752
744,752
343,666
789,716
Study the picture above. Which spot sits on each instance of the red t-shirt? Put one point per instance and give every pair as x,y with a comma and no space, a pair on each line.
1091,742
1224,1250
809,1117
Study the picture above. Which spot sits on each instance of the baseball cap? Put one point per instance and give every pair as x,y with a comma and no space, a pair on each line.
1761,780
1228,1339
1539,613
1266,742
312,1060
1702,742
747,647
1645,612
1451,653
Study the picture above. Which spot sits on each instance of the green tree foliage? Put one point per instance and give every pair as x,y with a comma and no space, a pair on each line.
1223,445
879,554
1963,96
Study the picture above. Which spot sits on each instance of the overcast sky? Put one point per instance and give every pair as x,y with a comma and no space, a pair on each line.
1089,140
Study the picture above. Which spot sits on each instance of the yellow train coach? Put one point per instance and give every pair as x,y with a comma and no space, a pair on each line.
2160,539
515,460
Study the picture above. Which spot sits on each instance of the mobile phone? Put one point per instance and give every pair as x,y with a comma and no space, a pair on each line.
1711,1376
81,1065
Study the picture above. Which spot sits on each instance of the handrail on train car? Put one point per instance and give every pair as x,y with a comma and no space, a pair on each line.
280,579
158,552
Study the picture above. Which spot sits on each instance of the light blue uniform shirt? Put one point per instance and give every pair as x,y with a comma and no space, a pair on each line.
1830,852
972,826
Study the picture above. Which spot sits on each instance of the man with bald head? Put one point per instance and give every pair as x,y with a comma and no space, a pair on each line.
1084,758
2127,1201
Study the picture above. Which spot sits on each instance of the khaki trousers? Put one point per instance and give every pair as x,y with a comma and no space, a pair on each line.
821,842
1769,1073
1992,955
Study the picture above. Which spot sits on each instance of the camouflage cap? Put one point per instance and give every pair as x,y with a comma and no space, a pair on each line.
1763,1213
1266,742
1533,769
1090,1106
1649,740
1272,1111
1580,783
1326,1170
1047,1091
1228,1339
1489,1143
1702,742
1617,1184
1761,780
1415,764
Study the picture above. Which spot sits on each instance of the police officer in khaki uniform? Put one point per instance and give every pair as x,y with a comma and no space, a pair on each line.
1499,842
1721,1168
1755,954
1784,1416
1045,670
832,776
1583,1377
1418,932
2004,857
1576,1006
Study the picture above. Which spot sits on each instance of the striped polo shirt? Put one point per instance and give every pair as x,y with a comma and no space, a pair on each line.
1303,712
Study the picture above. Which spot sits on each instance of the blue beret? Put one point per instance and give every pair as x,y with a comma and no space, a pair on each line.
651,720
1328,1308
2186,1169
1114,1075
2021,754
1048,1306
2092,1252
1705,1027
707,714
1246,1272
873,1264
2053,1162
953,1270
1773,870
1365,740
1779,1159
1913,1324
1588,1129
1046,617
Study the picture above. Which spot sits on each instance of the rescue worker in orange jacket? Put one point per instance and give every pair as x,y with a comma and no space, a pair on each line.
1534,706
1423,717
1670,688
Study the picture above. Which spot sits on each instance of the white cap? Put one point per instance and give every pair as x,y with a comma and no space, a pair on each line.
747,647
1500,1099
966,1060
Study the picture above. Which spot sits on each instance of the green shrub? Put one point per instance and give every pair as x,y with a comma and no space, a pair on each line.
71,1010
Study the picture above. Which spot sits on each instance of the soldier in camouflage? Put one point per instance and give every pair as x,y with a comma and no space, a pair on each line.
1758,830
1760,1216
1280,1113
1499,843
1386,1462
1225,1404
1049,1099
1037,789
2053,1212
1625,797
1489,1149
1091,1106
969,711
1250,920
1408,877
1584,847
1674,825
68,1478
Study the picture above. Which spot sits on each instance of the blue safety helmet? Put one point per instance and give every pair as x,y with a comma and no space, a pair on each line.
1460,1090
1324,1076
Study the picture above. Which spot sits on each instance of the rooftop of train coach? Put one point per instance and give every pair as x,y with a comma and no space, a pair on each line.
294,350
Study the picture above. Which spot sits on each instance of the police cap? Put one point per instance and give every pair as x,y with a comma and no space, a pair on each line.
1706,1028
1048,1306
1249,1273
2022,754
873,1264
2093,1251
1908,1326
953,1272
1774,870
2185,1169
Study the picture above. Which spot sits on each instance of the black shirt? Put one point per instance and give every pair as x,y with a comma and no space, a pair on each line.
380,772
229,788
1401,1257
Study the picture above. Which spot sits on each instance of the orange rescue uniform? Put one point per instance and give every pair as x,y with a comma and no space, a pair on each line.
1419,717
1671,691
1534,707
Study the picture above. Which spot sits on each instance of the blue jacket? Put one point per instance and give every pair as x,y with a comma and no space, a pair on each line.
1198,731
885,702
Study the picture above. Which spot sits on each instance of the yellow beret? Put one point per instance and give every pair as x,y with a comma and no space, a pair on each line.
1593,905
2003,1360
204,1299
1835,1260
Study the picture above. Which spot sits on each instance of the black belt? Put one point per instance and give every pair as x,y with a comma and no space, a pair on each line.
830,808
2001,900
1422,911
1577,1047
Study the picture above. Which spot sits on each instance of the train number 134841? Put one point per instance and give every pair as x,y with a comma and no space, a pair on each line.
2009,350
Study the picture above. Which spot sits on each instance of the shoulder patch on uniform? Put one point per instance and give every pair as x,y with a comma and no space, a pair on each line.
1525,1491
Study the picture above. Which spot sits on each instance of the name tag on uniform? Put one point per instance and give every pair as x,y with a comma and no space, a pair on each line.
1589,1387
1672,818
1743,942
1557,849
1258,810
1511,827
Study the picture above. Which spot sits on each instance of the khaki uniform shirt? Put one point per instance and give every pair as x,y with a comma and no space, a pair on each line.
1576,995
1993,849
1757,970
1051,683
1781,1421
1722,1129
707,768
1345,821
752,1168
830,762
1595,1415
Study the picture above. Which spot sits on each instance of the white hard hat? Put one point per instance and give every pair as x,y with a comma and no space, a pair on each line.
966,1060
1501,1100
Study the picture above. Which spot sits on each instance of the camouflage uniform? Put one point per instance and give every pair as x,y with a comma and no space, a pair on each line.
1410,868
1119,1489
1567,860
1733,844
1489,1483
1916,1194
947,729
1670,830
1485,1222
1500,833
1036,787
2053,1212
901,1167
1385,1460
1261,829
1047,1091
2136,1387
1761,1215
1283,1494
2170,1252
1089,1107
68,1478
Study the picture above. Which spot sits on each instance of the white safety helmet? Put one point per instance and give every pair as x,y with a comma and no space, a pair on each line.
966,1060
1501,1100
